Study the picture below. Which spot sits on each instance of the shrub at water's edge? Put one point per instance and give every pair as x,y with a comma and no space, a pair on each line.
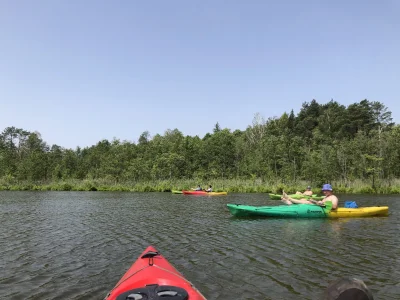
230,186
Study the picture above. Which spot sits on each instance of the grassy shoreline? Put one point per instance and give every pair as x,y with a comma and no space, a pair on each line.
229,185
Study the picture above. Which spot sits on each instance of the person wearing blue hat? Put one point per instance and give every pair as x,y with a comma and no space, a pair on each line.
329,196
326,190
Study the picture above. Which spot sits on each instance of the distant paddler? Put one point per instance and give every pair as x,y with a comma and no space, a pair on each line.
307,192
198,188
326,190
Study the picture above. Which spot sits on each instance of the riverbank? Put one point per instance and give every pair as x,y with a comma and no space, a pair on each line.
231,186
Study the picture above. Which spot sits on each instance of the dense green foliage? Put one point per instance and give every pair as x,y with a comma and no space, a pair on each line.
322,143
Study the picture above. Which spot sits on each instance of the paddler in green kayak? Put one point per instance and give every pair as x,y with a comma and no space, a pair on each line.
308,192
326,190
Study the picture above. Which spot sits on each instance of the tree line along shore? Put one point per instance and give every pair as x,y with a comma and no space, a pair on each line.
354,147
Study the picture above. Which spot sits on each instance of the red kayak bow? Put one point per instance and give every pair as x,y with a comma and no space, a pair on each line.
152,277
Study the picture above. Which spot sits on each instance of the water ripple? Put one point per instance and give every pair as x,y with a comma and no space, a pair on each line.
67,245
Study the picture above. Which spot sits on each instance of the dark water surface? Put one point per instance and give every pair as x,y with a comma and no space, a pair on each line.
77,245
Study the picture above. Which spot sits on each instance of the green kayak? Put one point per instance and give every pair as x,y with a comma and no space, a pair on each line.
176,192
280,211
295,196
306,211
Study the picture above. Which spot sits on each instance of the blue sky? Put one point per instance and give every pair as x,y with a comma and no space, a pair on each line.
82,71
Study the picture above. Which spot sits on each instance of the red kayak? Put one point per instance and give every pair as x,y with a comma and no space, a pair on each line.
194,192
152,277
203,193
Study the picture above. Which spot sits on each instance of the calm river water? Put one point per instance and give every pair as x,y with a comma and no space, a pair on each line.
77,245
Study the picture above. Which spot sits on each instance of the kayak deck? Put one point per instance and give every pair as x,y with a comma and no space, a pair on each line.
371,211
152,273
279,211
305,211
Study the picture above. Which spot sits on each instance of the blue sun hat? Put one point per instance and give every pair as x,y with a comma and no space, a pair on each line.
326,187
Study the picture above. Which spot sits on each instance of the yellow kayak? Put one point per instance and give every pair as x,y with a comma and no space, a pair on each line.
342,212
218,193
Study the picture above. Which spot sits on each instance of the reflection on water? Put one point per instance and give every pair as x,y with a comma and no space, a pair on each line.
76,245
